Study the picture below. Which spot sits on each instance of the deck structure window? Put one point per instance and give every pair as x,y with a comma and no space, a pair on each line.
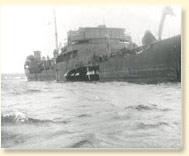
69,54
83,41
75,53
79,42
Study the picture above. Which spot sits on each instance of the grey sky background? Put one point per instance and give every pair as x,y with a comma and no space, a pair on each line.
24,29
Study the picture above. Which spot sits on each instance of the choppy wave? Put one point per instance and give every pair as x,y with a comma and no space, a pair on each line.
16,91
33,90
10,88
22,118
80,143
83,115
141,107
28,91
14,77
19,117
143,125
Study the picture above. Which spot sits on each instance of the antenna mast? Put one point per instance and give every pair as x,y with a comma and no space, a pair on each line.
55,26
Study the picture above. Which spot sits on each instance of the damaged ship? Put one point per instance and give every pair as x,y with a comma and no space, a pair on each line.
109,54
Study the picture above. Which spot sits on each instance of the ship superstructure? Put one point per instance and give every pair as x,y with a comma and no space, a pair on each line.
79,59
85,47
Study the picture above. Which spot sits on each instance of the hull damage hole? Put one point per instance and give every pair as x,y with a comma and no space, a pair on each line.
89,73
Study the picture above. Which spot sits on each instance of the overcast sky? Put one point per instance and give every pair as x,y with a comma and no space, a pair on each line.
25,29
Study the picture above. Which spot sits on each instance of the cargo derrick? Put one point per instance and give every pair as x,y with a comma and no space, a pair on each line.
166,11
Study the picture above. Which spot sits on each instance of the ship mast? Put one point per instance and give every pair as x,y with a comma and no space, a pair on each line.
56,34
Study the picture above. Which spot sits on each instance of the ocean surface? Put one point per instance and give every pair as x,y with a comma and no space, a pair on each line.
89,114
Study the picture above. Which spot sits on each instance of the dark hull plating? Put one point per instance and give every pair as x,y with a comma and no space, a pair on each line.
159,62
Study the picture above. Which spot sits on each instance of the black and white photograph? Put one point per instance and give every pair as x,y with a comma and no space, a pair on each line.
91,76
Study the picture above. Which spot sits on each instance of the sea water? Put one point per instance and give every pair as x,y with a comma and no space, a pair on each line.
89,114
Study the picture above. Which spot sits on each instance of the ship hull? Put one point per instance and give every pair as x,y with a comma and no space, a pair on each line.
45,75
159,62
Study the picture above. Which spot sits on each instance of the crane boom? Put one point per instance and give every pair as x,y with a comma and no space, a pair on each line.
166,11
